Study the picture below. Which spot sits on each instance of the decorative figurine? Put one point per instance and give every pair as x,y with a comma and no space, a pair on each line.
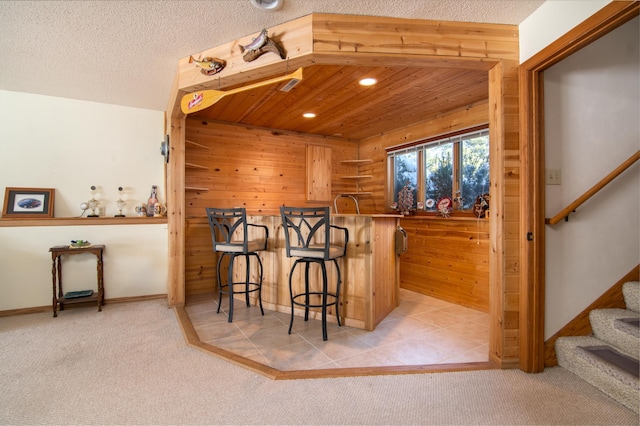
259,46
120,203
141,209
458,201
481,206
444,206
93,203
210,66
405,199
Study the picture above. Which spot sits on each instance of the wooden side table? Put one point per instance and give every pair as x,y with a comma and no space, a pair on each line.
56,271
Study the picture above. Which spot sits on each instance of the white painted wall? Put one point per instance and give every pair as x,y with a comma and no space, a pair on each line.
552,20
592,105
134,262
591,126
69,145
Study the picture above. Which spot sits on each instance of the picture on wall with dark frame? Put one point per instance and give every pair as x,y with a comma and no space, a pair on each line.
28,203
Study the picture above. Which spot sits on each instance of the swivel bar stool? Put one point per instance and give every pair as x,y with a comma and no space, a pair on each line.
308,239
230,236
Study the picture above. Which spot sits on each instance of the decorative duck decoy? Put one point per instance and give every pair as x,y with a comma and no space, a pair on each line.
210,66
259,46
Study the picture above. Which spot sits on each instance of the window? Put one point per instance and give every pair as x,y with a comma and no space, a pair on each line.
454,165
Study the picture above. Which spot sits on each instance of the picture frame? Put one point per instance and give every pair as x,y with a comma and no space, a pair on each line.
26,203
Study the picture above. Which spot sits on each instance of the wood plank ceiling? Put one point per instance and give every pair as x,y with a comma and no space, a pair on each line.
343,108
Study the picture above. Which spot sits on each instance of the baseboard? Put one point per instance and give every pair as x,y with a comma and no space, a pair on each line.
580,325
135,298
48,308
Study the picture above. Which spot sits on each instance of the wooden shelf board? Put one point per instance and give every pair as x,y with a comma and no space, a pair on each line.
356,161
194,188
357,177
195,166
70,301
75,221
196,144
356,193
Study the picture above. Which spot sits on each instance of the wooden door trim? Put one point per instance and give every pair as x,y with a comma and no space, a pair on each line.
532,250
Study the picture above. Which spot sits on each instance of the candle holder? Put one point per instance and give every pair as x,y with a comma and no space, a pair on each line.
120,203
93,203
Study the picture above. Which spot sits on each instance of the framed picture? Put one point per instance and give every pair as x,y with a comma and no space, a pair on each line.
26,203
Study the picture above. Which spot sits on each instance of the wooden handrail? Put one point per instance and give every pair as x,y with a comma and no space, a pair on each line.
564,213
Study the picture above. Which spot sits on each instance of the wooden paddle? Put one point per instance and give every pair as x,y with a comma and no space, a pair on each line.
197,101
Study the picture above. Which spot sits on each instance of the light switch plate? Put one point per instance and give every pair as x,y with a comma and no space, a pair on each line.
552,177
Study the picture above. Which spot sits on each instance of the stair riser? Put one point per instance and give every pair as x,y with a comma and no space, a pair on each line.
623,337
620,386
631,294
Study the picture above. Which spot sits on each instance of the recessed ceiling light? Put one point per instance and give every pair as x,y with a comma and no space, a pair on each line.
368,81
309,115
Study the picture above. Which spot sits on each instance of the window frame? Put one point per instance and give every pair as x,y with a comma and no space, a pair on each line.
419,146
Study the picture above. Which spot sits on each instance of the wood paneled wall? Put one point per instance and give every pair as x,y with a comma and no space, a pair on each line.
200,260
463,278
505,235
447,259
261,169
258,169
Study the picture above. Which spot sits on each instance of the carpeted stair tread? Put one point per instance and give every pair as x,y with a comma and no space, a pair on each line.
614,381
629,325
631,294
611,326
615,358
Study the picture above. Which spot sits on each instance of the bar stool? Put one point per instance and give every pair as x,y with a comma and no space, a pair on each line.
308,239
230,236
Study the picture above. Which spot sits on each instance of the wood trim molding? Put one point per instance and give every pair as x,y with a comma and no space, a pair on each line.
532,218
47,308
78,221
580,325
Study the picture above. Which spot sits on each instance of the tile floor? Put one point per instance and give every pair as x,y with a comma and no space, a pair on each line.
421,331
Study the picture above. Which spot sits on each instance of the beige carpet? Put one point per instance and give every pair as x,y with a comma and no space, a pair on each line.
130,365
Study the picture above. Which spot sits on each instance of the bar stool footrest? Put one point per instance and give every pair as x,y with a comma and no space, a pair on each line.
241,283
317,293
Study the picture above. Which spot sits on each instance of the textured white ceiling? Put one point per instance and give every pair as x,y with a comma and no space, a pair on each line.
126,52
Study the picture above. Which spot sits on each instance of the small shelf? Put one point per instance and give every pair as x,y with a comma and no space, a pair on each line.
195,166
78,221
195,189
357,177
72,300
195,144
356,161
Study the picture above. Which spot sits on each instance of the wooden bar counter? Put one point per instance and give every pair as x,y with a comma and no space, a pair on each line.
370,273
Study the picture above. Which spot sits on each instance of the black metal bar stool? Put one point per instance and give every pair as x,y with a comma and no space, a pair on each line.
308,239
230,236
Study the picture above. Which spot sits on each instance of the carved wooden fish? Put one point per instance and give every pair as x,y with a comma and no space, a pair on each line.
257,42
210,66
269,46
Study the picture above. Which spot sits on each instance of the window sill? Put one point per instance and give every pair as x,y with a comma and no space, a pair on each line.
465,216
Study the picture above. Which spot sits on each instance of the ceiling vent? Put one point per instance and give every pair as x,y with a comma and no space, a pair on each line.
267,4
